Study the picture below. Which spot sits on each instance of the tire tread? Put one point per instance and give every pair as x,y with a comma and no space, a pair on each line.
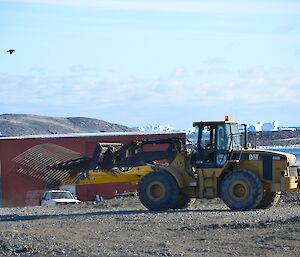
256,189
172,191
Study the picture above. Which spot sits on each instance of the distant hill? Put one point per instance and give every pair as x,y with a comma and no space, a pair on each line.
24,124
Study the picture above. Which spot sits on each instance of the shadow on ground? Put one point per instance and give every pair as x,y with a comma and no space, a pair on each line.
16,217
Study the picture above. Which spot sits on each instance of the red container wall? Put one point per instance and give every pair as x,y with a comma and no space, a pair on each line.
15,186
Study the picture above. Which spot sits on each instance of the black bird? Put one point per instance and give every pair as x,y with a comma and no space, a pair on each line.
10,51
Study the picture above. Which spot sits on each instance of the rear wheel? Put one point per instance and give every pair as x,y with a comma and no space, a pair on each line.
158,191
269,199
241,190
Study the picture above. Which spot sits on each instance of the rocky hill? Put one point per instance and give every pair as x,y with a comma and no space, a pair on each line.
22,124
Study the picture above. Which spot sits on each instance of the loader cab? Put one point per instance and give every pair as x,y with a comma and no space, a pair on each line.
214,143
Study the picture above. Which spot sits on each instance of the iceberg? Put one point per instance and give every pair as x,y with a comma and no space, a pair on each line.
256,127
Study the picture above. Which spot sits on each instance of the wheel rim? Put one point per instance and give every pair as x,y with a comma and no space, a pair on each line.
156,191
239,190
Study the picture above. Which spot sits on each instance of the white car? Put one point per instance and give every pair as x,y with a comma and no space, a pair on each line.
58,197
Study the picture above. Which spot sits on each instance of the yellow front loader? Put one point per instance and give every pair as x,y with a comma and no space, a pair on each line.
219,166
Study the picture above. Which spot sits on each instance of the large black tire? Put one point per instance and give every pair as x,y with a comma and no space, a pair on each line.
183,202
269,199
158,191
241,190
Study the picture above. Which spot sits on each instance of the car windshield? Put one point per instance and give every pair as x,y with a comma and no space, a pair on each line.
61,195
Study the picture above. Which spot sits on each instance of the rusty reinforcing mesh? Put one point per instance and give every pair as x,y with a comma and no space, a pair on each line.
51,163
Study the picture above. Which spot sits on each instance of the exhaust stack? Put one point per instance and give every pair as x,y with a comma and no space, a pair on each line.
245,136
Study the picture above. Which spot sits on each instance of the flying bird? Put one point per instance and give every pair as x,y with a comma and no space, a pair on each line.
10,51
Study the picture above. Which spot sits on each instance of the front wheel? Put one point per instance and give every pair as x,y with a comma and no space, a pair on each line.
183,202
158,191
241,190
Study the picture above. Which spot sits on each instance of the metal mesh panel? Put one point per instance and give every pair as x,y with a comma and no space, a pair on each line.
51,163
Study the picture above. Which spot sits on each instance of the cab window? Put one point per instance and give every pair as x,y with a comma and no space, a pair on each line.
221,138
204,153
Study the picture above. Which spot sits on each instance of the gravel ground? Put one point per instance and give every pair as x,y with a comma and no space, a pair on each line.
122,227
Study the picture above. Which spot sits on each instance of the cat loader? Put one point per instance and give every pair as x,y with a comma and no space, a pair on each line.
219,166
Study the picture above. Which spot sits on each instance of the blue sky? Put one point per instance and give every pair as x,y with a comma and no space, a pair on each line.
141,62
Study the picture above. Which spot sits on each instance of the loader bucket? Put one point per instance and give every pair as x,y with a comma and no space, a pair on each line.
51,163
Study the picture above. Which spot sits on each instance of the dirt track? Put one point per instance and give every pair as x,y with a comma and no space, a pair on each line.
122,227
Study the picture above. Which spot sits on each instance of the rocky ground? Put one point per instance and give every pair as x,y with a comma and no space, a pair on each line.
122,227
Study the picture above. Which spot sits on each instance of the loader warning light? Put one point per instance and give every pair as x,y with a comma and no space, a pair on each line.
226,118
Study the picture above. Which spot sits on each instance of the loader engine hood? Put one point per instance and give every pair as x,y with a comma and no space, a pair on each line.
289,166
291,158
258,154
